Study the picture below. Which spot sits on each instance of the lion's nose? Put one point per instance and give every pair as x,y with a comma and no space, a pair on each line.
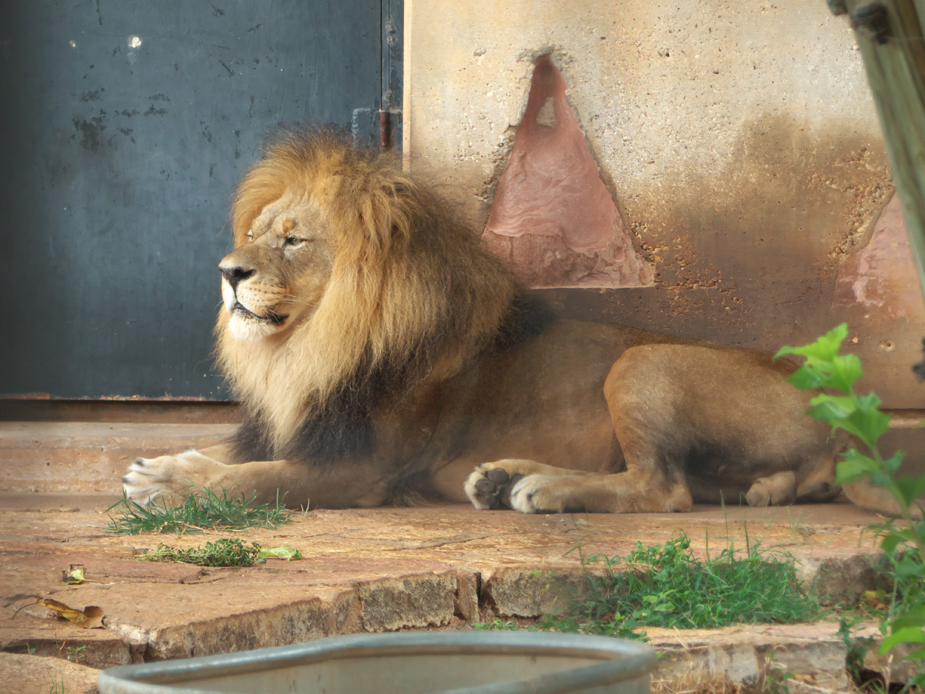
234,274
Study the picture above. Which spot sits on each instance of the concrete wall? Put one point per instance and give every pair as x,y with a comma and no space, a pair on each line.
737,138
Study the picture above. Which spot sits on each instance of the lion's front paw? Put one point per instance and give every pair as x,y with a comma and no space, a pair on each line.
489,487
170,477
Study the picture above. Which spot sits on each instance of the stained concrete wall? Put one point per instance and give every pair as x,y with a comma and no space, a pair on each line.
737,138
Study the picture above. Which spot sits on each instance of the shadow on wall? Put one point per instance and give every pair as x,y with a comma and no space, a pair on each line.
775,249
752,257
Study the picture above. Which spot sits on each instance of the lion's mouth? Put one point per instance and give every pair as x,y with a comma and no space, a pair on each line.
272,317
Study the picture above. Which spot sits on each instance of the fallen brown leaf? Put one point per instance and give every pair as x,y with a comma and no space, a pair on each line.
90,617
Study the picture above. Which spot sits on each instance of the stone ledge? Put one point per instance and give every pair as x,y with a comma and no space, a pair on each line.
440,567
34,674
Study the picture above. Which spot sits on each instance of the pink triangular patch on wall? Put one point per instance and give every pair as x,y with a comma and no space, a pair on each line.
552,216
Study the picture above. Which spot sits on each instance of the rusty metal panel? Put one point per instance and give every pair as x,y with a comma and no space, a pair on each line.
124,127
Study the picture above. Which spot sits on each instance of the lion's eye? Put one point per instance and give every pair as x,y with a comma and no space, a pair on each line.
248,237
293,241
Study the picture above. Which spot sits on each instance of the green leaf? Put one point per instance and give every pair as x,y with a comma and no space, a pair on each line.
909,566
904,534
806,378
847,369
911,488
913,618
825,348
892,463
904,635
890,542
286,553
857,415
869,421
879,479
840,373
832,408
854,466
824,366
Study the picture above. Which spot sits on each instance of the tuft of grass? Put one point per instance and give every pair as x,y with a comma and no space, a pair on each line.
667,586
201,510
74,653
497,625
222,552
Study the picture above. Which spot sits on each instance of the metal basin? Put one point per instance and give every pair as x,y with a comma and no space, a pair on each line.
454,662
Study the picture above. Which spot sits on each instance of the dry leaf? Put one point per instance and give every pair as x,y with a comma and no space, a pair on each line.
90,617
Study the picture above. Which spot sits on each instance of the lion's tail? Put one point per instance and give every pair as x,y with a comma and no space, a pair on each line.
876,499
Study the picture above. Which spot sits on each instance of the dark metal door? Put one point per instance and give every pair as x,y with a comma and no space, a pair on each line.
123,127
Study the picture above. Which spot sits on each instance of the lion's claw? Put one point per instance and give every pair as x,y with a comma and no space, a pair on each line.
169,477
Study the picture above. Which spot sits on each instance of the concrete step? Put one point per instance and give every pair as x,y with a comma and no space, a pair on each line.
88,457
53,457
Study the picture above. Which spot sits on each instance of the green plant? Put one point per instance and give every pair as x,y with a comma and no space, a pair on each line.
854,648
861,416
200,510
223,552
668,586
73,652
773,677
497,625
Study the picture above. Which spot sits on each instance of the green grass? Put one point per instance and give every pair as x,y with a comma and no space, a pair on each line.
501,625
222,552
201,510
667,586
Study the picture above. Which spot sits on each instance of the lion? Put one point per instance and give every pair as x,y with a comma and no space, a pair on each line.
382,356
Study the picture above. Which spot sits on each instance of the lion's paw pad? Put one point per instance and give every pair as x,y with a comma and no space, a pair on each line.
490,487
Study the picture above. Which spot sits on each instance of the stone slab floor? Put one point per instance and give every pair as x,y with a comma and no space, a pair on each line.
370,570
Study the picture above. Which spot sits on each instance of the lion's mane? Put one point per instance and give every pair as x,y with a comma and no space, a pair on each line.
411,298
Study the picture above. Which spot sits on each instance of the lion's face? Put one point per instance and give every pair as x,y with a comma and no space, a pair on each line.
276,277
